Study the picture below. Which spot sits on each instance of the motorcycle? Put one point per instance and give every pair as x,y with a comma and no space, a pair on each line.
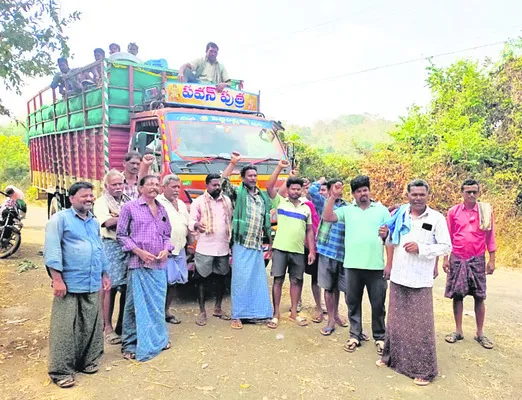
11,214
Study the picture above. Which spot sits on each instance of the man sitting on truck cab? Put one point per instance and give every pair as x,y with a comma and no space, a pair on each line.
206,70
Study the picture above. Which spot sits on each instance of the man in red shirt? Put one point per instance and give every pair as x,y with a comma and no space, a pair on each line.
472,232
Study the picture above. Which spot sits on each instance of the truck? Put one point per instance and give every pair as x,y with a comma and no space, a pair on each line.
190,128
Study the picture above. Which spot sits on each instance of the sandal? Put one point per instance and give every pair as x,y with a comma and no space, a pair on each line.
223,317
484,341
421,382
112,338
129,356
299,321
168,346
236,324
365,337
273,323
318,317
342,322
351,345
65,383
91,369
201,320
327,331
453,337
380,363
171,319
379,344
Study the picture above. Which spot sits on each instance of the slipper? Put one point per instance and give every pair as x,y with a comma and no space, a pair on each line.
129,356
299,307
421,382
65,383
380,363
318,318
113,338
365,337
351,345
299,321
223,317
236,324
168,346
342,322
273,323
453,337
172,320
201,320
91,369
484,342
379,344
327,331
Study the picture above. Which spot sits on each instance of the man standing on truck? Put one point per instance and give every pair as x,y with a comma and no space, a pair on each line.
294,226
107,210
70,84
144,231
251,222
211,216
76,262
206,70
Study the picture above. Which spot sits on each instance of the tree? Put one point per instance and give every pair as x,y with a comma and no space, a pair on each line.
32,31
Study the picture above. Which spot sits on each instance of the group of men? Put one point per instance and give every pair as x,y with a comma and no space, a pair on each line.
142,253
207,70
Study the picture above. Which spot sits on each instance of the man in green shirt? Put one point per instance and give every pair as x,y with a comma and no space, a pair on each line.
294,226
365,230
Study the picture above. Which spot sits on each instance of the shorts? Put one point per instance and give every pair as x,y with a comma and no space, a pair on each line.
206,265
283,259
177,271
311,269
331,274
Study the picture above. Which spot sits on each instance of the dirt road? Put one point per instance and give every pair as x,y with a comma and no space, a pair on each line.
215,362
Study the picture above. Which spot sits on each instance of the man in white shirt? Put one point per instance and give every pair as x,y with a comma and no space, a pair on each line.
418,236
179,219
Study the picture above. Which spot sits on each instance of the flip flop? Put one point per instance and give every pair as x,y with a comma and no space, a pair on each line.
112,338
91,369
380,363
129,356
326,331
201,320
342,322
223,317
421,382
379,344
236,324
65,383
318,318
299,321
351,345
484,342
172,320
453,337
273,323
168,346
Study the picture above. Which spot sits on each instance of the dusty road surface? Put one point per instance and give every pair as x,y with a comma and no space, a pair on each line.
215,362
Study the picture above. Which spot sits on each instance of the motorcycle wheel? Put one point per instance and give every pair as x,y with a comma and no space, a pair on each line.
7,249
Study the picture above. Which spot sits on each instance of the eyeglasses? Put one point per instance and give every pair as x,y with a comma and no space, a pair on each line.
471,192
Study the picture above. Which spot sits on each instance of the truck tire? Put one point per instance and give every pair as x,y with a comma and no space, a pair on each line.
55,205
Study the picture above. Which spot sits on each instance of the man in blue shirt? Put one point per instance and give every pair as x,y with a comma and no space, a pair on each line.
77,264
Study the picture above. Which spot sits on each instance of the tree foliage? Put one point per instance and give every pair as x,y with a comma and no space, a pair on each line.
32,31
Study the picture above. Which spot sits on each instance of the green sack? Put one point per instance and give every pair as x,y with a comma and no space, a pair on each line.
93,99
47,113
48,127
77,120
119,76
60,108
94,117
38,116
119,97
32,132
32,119
76,103
39,129
61,124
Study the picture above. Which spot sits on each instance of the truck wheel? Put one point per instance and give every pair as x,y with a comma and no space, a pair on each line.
55,205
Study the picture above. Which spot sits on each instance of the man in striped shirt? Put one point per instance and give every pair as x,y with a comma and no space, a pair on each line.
330,247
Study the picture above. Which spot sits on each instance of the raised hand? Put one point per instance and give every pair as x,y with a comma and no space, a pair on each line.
337,189
283,164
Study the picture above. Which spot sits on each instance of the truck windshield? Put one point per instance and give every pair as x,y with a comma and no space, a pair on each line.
206,135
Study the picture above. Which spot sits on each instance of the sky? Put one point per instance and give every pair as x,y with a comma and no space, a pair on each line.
303,56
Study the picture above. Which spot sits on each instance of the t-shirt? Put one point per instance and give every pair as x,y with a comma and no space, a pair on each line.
364,248
207,72
291,224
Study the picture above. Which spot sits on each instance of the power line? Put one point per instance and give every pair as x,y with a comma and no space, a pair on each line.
393,65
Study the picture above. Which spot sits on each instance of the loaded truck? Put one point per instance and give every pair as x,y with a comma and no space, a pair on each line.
190,128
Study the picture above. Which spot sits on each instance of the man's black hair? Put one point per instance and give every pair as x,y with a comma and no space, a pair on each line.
213,45
147,178
469,182
63,59
132,154
359,182
247,168
99,50
211,177
76,187
418,183
332,182
294,181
